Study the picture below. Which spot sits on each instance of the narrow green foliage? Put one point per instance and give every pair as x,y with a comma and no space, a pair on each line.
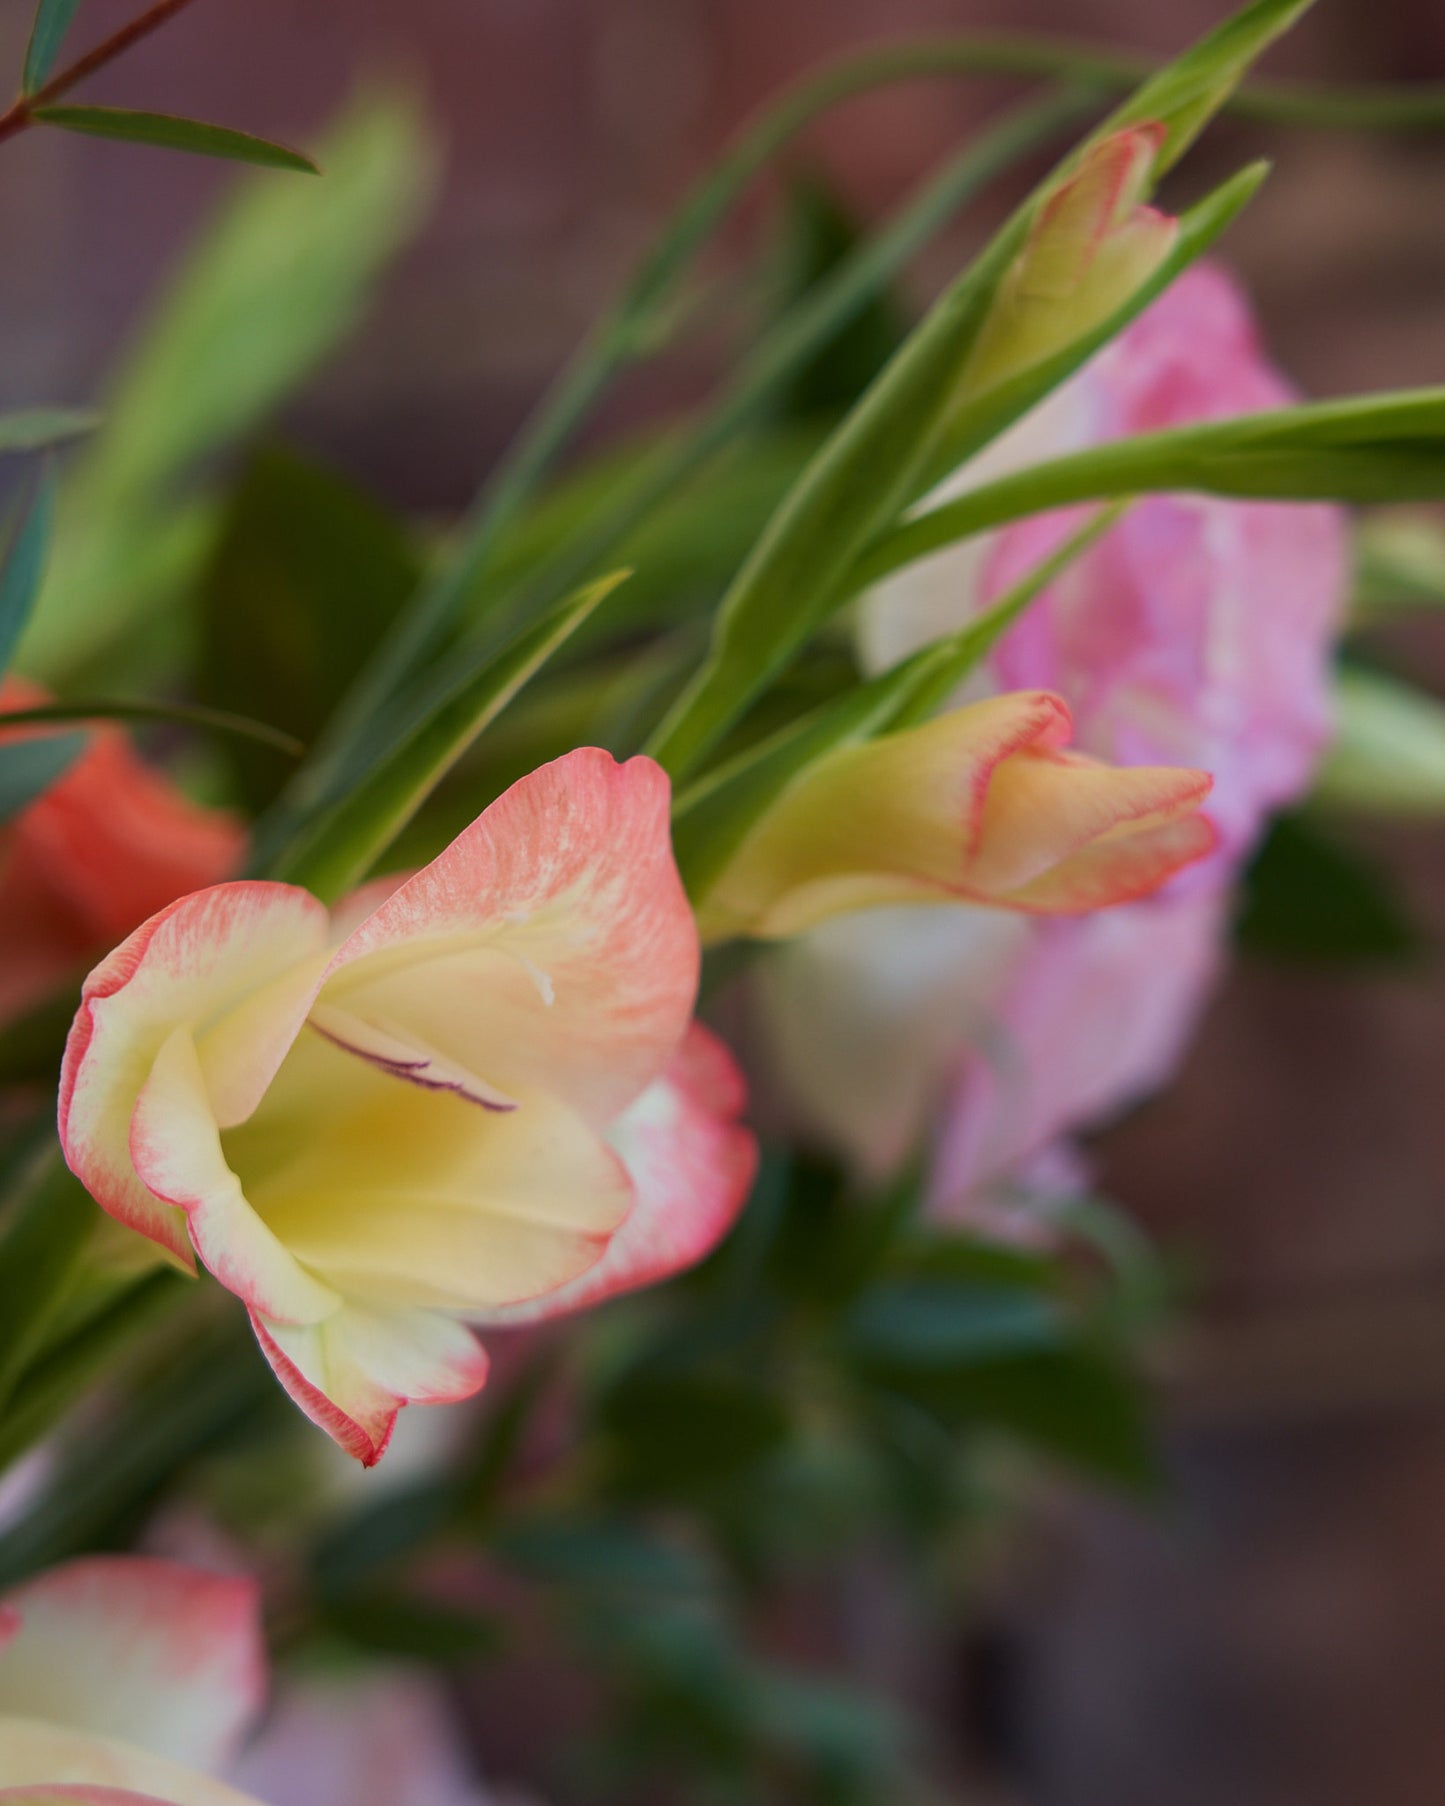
53,19
24,567
1369,448
35,429
1388,753
169,132
1310,899
44,1237
29,767
174,714
347,841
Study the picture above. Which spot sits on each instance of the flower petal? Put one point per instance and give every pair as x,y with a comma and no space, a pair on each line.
175,1144
47,1763
353,1373
692,1164
205,955
167,1657
550,946
399,1196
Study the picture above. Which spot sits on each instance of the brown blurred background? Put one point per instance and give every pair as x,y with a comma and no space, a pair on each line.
1277,1637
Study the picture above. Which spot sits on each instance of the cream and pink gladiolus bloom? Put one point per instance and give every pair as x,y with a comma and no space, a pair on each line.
109,843
126,1679
1198,631
474,1096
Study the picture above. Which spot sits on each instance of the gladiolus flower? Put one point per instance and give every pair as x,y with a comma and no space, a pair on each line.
980,805
1197,631
108,844
124,1678
435,1107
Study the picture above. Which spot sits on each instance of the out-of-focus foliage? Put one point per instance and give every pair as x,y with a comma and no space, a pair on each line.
268,292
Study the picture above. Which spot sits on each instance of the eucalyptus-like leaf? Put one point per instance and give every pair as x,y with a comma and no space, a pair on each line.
347,841
29,767
53,19
1369,448
33,429
1388,754
24,566
168,131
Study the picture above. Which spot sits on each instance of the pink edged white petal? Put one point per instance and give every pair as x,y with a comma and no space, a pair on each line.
551,946
49,1763
176,1148
195,961
353,1373
163,1656
692,1163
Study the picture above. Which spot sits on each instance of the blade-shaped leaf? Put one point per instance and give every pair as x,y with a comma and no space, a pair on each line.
885,450
24,567
29,767
169,131
52,20
33,429
346,843
1369,448
177,714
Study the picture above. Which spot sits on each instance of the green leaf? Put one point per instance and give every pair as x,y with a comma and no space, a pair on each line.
1399,562
1309,900
267,291
176,714
52,21
170,132
39,1252
390,1623
24,567
306,574
1388,753
29,767
1186,94
931,1323
883,452
346,843
34,429
673,1434
1369,448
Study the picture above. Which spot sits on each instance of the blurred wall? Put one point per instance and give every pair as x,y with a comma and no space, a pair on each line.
1279,1638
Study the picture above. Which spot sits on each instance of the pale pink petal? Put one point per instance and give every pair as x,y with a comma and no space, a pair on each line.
353,1373
692,1164
383,1737
550,946
203,956
165,1657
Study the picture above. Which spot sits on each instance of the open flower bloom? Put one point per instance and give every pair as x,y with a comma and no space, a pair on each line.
443,1104
1197,631
108,844
123,1678
1092,245
981,805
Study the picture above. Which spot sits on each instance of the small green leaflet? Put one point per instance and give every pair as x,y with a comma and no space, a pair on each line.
170,132
33,429
24,567
52,20
29,767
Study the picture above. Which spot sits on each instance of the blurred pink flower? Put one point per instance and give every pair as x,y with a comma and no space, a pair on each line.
108,844
1197,632
382,1738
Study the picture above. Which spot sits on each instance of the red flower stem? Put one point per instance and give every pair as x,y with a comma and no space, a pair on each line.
22,114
